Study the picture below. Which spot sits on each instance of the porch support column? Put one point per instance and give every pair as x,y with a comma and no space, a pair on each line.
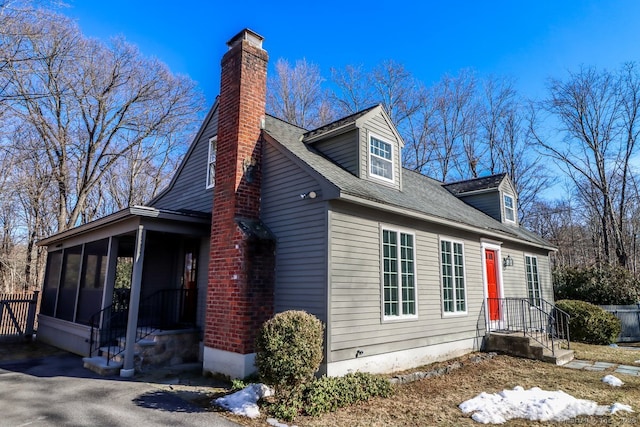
134,301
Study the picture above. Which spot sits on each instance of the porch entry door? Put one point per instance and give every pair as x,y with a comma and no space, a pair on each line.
493,292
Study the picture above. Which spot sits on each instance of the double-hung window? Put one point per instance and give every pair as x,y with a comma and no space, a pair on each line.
533,280
509,208
398,274
380,158
211,163
454,299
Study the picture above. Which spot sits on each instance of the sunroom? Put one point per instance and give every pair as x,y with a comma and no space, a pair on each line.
115,280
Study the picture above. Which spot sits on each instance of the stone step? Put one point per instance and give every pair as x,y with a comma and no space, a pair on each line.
101,366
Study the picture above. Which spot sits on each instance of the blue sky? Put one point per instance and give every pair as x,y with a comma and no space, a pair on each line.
527,40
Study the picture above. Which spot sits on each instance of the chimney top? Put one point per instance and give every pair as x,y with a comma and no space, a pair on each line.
252,37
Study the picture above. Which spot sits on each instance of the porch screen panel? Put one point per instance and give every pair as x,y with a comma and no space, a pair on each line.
94,271
51,283
69,284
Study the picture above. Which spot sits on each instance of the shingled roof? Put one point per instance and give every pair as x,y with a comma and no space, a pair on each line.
477,184
345,121
420,194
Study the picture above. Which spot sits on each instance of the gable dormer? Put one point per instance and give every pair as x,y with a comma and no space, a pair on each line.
494,195
366,144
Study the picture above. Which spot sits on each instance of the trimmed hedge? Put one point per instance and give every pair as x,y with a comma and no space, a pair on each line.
289,349
602,285
589,323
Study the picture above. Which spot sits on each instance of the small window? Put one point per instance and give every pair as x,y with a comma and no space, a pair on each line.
533,280
380,159
398,274
454,300
509,209
211,163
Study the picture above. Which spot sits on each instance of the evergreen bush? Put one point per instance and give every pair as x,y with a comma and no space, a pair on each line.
289,349
598,285
589,323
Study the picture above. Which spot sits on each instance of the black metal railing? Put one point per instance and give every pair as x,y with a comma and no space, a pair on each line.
539,320
167,309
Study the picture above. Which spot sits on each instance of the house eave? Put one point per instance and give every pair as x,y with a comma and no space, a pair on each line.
485,232
334,132
124,215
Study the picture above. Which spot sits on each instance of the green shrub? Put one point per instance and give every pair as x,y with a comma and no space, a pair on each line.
589,323
289,350
598,285
327,394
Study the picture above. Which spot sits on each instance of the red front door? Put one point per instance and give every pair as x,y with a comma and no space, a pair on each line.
492,284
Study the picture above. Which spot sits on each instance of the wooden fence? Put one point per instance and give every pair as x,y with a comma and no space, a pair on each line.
17,315
629,316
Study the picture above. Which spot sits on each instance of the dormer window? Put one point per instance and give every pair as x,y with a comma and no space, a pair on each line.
380,158
509,208
211,162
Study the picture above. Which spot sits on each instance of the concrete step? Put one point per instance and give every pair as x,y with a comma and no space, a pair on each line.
517,344
99,365
559,357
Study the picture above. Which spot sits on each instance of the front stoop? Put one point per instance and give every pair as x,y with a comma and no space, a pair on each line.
516,344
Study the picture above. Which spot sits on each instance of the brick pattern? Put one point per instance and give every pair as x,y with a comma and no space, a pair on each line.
240,291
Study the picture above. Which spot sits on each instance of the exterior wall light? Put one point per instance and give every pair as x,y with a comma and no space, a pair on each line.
309,195
507,262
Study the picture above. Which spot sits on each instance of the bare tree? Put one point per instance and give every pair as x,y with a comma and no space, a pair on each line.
597,113
295,94
92,104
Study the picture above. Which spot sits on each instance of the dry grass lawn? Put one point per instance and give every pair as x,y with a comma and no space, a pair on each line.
434,401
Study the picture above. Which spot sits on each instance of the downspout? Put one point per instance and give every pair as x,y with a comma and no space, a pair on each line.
128,369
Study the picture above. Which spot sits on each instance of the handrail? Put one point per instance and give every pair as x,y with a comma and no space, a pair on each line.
540,320
166,309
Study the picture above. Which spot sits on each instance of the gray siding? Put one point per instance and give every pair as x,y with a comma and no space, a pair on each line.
188,189
355,286
299,226
378,125
488,203
515,279
342,150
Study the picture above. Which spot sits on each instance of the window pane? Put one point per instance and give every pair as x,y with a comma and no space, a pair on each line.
453,290
398,274
381,158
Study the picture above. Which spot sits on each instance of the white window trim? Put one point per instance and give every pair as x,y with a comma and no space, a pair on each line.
526,278
401,317
370,154
513,208
464,277
211,183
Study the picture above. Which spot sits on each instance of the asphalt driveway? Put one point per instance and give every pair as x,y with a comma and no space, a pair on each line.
58,391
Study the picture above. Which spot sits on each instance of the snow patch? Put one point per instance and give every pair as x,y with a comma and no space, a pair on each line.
245,401
533,404
612,381
276,423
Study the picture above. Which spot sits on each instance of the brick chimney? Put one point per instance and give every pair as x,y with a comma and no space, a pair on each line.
241,259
